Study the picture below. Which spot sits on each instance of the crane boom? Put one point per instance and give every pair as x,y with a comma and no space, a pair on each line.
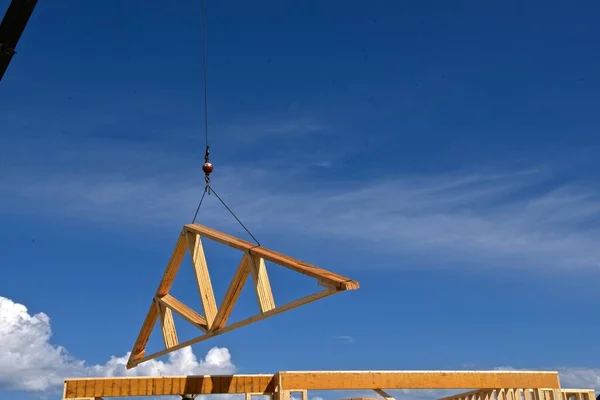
11,28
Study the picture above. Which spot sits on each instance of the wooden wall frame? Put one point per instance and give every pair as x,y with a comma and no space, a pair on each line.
525,394
215,320
281,384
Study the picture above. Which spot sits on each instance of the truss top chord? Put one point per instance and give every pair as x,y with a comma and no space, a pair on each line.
339,281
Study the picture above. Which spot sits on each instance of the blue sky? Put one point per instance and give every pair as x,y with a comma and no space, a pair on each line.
442,154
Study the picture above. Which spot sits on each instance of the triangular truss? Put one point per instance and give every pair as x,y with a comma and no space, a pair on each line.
215,319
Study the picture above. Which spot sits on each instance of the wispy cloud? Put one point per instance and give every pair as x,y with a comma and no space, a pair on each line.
510,219
346,338
286,129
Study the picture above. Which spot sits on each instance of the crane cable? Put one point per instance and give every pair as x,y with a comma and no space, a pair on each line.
207,167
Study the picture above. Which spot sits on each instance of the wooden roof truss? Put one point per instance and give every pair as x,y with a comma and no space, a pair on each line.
215,320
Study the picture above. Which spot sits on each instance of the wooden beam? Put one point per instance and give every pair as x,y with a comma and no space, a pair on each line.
276,388
184,311
144,334
307,380
541,394
233,292
164,286
383,394
88,398
340,282
324,380
572,392
202,277
167,325
167,386
278,310
80,398
173,265
262,285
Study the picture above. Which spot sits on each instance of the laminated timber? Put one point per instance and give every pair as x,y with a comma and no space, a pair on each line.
215,320
365,380
281,384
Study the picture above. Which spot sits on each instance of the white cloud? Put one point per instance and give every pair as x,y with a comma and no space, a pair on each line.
30,362
511,219
517,219
346,338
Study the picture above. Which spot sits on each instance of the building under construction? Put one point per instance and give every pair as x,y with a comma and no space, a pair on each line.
214,319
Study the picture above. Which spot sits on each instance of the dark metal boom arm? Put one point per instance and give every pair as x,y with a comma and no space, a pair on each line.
11,28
